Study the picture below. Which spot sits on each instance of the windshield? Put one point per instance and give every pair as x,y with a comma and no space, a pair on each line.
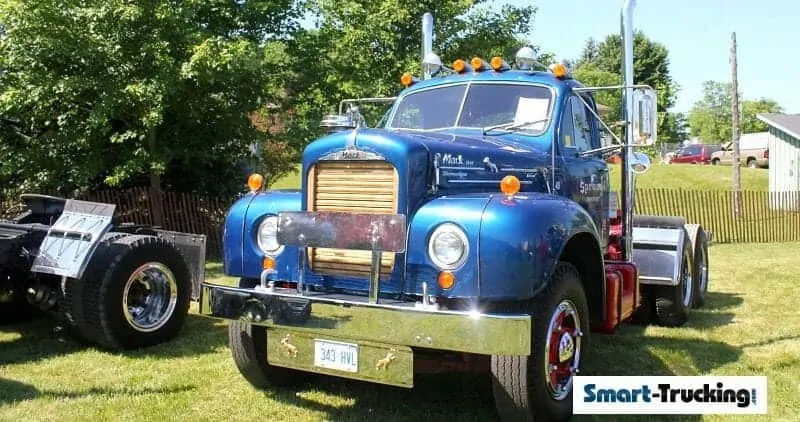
484,105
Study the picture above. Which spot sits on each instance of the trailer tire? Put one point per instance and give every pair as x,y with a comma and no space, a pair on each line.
523,385
145,270
248,344
671,302
66,311
700,264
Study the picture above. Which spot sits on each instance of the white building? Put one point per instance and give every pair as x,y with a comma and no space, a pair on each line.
784,160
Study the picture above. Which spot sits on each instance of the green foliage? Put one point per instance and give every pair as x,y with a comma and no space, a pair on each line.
600,63
360,48
751,108
711,118
107,92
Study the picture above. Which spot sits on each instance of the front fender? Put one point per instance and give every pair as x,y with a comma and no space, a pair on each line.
464,211
521,240
241,254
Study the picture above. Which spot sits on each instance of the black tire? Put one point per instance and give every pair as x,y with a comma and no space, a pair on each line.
715,162
522,390
66,313
98,299
697,235
248,345
671,304
751,163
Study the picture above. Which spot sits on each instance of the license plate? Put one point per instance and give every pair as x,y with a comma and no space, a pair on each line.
336,355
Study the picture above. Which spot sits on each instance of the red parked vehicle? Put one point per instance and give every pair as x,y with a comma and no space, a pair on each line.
694,154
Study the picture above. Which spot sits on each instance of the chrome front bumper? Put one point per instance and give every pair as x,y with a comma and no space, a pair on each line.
356,319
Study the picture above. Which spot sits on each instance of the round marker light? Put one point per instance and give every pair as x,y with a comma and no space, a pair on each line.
255,181
559,70
268,263
407,79
510,185
446,280
459,66
477,64
267,236
497,63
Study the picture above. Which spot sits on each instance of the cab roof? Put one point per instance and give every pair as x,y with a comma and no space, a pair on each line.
534,77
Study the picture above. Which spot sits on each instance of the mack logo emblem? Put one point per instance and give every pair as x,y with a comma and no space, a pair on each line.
352,154
453,160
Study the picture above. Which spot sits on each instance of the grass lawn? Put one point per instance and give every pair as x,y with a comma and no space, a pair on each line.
750,327
673,176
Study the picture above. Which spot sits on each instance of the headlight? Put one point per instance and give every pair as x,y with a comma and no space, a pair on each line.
268,236
448,246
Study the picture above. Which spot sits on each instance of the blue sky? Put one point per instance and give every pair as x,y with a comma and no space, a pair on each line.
698,36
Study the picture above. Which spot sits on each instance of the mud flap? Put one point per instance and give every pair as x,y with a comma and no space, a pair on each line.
73,238
193,249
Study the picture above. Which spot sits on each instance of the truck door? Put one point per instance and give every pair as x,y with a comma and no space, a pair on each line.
585,179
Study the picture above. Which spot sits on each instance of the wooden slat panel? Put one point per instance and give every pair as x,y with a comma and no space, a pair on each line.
351,186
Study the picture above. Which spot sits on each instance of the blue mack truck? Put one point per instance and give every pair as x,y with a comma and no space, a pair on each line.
474,230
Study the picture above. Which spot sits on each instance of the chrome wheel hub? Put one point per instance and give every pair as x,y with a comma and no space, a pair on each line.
149,297
562,349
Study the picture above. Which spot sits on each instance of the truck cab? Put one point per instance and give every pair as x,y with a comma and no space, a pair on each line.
473,229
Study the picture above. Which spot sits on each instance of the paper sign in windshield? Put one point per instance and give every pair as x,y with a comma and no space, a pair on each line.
530,110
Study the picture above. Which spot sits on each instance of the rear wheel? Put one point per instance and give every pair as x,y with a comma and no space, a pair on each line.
699,242
134,294
751,163
539,386
715,162
672,303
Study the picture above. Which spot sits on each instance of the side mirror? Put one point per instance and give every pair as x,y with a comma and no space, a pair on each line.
640,163
645,116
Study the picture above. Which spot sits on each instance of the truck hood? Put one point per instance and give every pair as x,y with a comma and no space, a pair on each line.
466,160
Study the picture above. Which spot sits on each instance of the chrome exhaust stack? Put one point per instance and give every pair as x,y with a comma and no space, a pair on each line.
628,205
427,41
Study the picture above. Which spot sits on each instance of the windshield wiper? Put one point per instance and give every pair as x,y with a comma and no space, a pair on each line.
510,126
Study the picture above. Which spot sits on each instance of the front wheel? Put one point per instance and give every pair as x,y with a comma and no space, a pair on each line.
248,344
539,386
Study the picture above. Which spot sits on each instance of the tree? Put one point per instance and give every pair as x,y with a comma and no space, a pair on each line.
111,92
650,67
751,108
360,48
710,118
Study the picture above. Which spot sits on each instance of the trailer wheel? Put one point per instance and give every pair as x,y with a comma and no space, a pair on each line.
539,386
134,294
700,260
248,345
672,303
66,312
